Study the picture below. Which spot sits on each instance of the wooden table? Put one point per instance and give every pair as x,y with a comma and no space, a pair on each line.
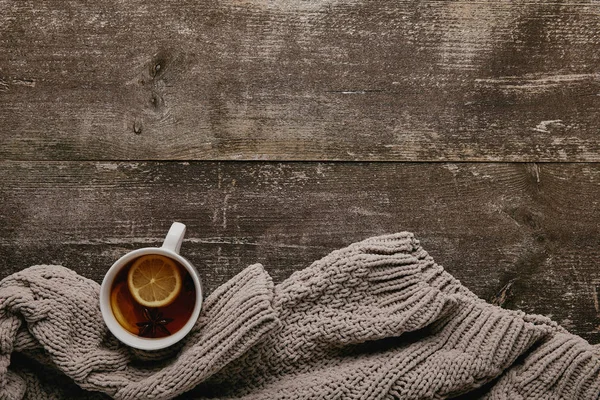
278,131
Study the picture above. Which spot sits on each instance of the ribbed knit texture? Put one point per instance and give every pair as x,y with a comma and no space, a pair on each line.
378,319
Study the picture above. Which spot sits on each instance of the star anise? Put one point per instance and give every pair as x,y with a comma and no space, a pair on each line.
155,323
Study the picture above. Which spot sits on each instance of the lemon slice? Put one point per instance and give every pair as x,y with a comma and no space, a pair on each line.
123,307
154,280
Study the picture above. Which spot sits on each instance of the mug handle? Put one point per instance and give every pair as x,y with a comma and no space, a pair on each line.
174,237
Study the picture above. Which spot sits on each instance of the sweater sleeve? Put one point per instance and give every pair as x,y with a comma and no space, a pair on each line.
52,315
373,289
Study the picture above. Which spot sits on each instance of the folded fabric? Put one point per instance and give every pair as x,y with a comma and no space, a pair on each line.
378,319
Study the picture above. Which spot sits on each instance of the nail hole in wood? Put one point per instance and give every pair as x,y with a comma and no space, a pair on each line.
137,126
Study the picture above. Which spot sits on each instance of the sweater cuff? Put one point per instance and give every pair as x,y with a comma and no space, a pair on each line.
563,366
404,245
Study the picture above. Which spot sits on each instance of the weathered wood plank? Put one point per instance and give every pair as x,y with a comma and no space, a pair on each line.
488,224
300,80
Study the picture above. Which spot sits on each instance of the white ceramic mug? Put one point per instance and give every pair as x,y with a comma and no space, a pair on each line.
170,248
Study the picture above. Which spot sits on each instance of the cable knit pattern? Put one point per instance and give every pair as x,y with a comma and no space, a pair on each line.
378,319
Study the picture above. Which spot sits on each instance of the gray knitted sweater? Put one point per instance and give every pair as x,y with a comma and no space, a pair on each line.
378,319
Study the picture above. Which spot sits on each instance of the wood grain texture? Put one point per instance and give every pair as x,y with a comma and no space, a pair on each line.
533,226
300,80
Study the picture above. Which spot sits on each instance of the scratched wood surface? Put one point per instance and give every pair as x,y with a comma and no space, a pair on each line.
281,130
488,224
300,80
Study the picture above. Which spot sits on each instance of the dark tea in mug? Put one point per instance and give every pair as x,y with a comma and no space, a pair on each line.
153,296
